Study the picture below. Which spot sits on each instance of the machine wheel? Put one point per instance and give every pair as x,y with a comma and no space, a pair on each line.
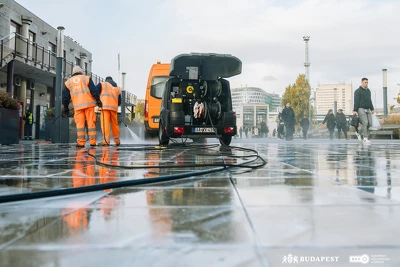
226,140
163,139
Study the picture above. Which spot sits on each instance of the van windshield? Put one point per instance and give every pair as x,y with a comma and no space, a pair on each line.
158,86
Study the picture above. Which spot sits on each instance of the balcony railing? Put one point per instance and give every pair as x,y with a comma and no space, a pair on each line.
130,98
15,45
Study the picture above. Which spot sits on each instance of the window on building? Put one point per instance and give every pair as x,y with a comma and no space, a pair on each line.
15,27
52,47
32,40
52,50
32,37
77,61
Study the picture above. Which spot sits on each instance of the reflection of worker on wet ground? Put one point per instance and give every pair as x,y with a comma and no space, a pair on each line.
109,155
152,159
83,174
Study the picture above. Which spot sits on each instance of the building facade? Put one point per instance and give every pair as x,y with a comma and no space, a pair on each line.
28,59
327,94
254,95
251,115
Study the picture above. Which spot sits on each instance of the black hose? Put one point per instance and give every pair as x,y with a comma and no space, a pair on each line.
136,182
97,187
85,189
52,124
246,164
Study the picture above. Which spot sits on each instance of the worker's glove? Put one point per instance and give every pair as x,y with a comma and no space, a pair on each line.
66,111
99,103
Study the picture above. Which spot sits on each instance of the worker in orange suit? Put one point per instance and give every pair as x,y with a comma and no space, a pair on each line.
84,95
110,96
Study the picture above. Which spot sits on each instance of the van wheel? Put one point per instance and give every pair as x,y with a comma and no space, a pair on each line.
147,135
226,140
163,139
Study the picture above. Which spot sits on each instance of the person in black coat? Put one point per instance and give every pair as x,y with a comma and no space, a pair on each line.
305,124
330,123
289,119
341,123
281,126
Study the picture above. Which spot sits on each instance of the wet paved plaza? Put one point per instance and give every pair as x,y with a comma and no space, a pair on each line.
315,200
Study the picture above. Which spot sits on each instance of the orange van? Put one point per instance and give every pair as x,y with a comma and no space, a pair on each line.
158,76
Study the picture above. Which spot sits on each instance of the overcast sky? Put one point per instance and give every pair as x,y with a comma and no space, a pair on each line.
349,39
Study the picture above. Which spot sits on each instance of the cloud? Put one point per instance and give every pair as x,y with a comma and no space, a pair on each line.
269,78
349,39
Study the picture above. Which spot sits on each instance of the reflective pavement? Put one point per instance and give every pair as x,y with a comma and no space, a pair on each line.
315,203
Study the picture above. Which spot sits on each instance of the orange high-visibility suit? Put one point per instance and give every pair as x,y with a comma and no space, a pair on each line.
84,95
110,96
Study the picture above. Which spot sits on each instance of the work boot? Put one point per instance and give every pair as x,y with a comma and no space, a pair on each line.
117,144
93,145
103,144
79,146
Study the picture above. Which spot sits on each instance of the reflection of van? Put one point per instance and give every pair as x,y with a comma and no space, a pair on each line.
158,76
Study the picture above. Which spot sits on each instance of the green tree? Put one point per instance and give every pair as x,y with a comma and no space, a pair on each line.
298,95
139,110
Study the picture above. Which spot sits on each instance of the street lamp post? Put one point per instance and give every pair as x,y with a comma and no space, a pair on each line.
385,109
59,67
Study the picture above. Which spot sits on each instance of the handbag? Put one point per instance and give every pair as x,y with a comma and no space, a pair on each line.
375,123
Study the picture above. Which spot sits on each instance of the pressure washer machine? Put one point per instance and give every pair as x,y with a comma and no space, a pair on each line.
197,99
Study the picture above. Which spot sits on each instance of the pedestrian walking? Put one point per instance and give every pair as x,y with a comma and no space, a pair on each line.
330,121
364,108
341,123
289,120
305,124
